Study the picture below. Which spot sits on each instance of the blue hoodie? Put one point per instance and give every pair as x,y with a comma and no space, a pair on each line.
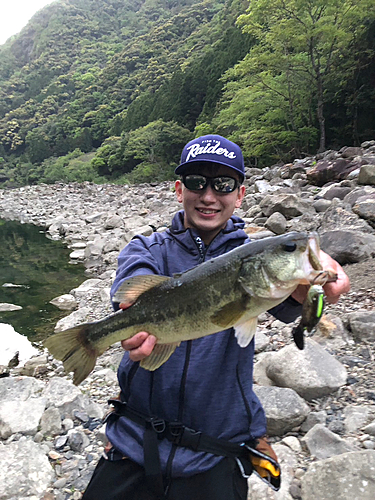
207,382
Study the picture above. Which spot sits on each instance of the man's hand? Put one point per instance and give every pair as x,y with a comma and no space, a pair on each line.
140,345
333,289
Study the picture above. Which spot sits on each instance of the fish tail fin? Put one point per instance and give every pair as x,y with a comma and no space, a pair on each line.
75,351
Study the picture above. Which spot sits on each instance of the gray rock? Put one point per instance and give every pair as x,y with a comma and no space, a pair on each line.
351,151
61,441
144,230
94,217
77,255
365,208
113,222
321,205
348,476
322,443
94,248
77,440
50,423
367,175
25,471
356,417
313,418
330,332
21,416
5,307
75,318
12,342
262,186
284,409
334,191
260,367
87,286
19,389
276,223
362,324
348,247
34,365
357,193
312,373
65,302
67,398
341,217
370,428
289,205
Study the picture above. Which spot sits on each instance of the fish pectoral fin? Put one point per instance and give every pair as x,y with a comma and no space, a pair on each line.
129,291
229,314
160,354
244,332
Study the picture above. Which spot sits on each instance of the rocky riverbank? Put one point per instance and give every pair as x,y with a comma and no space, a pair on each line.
320,402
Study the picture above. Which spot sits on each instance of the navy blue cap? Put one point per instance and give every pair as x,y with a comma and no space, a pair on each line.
213,149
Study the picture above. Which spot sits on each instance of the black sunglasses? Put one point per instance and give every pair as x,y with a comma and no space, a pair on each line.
222,184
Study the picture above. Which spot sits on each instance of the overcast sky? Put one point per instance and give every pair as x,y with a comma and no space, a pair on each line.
14,15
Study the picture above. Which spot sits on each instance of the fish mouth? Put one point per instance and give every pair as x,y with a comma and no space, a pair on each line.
313,252
318,276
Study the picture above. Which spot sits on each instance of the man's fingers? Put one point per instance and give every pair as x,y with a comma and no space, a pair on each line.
140,346
135,341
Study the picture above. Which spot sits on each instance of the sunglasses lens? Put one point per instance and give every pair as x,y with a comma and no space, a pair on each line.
195,182
224,184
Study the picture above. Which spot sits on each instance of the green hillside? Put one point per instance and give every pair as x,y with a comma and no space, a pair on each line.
131,81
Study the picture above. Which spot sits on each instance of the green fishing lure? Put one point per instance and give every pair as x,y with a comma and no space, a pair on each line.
312,311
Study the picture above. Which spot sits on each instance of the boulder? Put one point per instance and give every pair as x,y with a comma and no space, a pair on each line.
362,324
65,302
330,170
25,471
312,372
12,342
367,175
322,443
365,208
289,205
284,409
347,246
343,477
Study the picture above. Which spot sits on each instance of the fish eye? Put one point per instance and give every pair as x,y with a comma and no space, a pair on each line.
290,247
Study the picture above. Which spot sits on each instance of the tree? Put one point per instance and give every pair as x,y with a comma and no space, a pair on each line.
305,40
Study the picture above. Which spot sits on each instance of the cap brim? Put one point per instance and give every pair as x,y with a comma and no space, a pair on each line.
183,167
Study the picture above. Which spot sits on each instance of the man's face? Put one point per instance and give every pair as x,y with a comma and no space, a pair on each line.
208,211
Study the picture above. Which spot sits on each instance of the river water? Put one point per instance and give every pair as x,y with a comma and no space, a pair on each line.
40,267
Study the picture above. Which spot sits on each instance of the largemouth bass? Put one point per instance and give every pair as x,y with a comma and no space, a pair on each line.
228,291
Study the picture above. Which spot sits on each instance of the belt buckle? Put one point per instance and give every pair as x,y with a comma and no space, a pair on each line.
158,425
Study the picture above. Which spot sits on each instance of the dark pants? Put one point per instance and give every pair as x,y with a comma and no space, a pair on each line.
125,480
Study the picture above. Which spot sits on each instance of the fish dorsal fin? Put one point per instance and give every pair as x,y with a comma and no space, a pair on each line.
160,354
245,331
230,314
129,291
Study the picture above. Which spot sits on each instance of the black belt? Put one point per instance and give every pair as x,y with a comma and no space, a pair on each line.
180,435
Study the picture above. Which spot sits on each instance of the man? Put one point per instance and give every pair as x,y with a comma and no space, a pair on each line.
206,385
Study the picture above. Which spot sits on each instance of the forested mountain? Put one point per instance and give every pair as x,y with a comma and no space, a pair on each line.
112,89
